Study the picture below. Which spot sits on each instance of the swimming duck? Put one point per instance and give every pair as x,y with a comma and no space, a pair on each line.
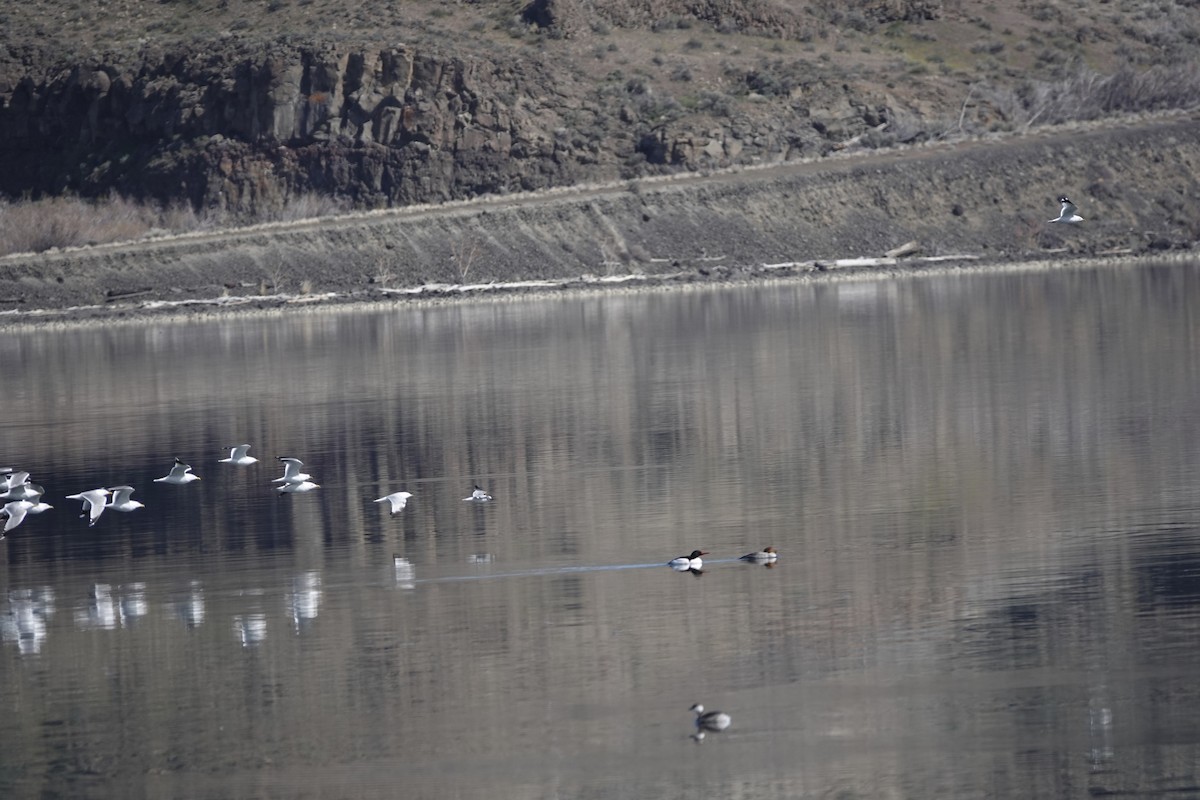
684,563
714,721
765,556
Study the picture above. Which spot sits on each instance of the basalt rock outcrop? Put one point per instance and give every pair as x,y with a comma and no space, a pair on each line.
240,127
238,130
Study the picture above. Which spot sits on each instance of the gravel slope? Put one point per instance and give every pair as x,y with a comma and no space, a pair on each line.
1135,183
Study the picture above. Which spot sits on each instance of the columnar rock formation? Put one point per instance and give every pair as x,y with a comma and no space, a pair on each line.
236,130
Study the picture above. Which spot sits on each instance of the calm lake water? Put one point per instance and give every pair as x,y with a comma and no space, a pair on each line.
984,492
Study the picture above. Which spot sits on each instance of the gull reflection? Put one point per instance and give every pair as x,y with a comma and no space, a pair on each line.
480,558
132,604
251,629
1100,722
108,609
25,620
191,610
406,576
305,599
101,611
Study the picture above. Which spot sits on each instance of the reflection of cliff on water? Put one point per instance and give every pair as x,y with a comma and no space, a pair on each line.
978,488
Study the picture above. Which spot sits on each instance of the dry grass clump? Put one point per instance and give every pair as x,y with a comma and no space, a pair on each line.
34,226
1082,96
1089,95
309,205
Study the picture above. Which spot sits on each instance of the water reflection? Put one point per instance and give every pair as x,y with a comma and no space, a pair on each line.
101,611
1100,723
405,575
109,608
304,600
190,610
983,487
26,617
250,629
133,603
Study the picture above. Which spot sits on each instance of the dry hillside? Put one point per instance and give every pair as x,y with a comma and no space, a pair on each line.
230,110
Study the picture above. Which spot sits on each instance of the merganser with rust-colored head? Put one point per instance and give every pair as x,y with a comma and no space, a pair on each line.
765,556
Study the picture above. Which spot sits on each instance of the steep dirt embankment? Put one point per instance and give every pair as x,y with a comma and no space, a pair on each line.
1136,184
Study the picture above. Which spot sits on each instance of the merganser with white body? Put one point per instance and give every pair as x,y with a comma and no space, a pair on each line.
180,473
93,503
291,471
714,721
765,556
398,500
479,495
685,563
121,500
237,455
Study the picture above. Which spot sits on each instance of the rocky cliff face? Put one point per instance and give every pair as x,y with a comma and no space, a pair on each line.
235,130
241,127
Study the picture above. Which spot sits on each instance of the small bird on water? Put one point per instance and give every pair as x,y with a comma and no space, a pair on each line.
714,721
765,556
684,563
